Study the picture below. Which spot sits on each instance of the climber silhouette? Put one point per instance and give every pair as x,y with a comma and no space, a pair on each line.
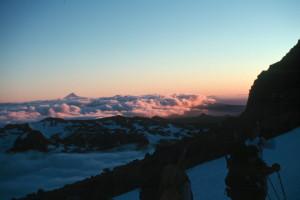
174,183
167,179
247,172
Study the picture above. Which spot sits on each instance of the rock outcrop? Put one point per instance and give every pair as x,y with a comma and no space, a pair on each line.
63,135
274,98
32,140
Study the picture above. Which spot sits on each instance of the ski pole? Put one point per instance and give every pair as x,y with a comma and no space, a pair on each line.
281,185
273,187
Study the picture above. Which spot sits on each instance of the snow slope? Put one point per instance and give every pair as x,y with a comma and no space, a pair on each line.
207,180
134,194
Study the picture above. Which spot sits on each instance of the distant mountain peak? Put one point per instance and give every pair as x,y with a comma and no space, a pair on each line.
71,96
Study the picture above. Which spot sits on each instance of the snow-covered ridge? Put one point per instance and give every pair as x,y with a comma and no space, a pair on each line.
91,135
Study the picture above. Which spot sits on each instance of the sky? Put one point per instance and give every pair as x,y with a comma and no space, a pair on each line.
50,48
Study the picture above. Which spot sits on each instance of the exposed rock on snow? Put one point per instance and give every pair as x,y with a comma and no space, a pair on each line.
55,134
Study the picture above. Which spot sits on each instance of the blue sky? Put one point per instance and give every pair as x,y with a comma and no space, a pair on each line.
102,48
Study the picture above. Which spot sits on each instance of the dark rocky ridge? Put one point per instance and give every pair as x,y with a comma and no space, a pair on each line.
95,135
32,140
274,98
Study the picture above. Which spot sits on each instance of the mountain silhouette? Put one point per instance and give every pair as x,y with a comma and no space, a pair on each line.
72,96
274,98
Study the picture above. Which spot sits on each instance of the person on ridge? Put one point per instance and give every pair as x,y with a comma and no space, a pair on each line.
247,174
175,184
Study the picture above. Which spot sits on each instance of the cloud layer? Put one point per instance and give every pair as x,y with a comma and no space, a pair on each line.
80,107
25,173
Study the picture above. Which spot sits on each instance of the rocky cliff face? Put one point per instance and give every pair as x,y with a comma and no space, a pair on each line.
274,98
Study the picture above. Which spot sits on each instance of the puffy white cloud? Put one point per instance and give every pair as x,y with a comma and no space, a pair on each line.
145,105
14,116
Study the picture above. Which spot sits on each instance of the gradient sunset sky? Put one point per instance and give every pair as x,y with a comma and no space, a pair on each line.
49,48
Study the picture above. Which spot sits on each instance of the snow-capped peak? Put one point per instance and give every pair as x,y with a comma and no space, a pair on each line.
72,96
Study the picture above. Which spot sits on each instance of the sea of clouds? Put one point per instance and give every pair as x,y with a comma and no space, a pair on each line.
24,173
74,106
